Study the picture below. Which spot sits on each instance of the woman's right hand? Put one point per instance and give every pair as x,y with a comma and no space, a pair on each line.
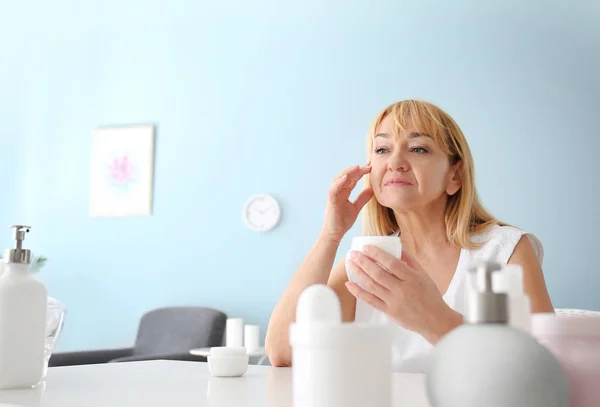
340,212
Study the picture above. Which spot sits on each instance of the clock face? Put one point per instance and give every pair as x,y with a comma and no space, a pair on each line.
261,213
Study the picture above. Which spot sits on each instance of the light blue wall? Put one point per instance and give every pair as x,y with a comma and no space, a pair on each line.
273,96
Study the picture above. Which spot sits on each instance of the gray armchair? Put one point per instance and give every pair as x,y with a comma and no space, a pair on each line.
163,333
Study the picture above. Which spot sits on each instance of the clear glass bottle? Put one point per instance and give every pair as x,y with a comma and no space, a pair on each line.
55,321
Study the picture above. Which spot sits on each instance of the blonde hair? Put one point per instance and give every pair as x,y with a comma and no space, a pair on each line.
465,215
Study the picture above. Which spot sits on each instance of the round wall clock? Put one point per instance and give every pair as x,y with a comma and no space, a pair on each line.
262,213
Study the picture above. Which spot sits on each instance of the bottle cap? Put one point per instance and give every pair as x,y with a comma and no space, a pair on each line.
318,304
484,305
509,280
18,254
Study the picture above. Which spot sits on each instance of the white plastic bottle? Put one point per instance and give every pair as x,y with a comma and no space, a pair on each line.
486,362
23,301
336,364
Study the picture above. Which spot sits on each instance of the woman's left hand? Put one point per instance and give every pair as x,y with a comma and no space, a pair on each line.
403,290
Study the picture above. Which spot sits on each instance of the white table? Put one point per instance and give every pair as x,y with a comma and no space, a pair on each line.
172,383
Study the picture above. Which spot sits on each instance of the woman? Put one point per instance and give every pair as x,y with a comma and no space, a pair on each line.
420,172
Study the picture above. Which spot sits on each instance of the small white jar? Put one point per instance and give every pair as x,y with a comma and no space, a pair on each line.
389,244
226,361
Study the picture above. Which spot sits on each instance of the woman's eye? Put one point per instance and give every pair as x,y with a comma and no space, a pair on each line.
380,150
419,150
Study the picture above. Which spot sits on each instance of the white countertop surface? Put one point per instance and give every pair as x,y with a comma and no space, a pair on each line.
206,352
172,383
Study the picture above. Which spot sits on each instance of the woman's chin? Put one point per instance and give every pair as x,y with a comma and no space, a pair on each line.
399,203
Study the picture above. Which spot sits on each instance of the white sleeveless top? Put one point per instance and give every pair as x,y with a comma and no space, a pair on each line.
409,349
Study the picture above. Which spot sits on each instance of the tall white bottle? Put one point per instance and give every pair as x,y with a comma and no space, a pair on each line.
23,301
337,364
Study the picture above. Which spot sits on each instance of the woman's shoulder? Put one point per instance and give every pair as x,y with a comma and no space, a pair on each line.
499,241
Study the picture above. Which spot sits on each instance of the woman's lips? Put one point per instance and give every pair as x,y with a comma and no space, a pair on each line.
397,182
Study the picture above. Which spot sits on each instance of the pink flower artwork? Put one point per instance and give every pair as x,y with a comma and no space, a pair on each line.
121,170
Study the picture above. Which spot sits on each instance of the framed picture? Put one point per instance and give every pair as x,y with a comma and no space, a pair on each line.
122,171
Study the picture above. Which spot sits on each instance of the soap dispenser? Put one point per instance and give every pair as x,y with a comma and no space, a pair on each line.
23,301
486,362
337,364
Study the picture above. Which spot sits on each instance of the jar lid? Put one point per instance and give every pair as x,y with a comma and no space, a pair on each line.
550,324
227,351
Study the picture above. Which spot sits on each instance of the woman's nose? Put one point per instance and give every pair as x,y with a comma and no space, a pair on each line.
398,161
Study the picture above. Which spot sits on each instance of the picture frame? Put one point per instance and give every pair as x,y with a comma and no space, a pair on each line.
122,171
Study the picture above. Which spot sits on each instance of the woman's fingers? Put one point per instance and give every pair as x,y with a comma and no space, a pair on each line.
338,187
397,267
343,185
362,199
355,172
411,261
370,270
366,296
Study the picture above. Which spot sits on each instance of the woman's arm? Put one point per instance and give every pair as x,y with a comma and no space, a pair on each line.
533,276
337,281
315,269
340,215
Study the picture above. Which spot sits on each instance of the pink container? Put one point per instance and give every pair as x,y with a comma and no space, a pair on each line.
574,338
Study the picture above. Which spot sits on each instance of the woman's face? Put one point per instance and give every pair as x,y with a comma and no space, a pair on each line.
410,171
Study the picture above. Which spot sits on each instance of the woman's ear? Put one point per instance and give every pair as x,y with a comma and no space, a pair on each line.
455,182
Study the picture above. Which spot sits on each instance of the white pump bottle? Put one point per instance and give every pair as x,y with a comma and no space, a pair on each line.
23,301
487,362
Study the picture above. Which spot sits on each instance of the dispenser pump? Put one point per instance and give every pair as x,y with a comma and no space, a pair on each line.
18,255
486,306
